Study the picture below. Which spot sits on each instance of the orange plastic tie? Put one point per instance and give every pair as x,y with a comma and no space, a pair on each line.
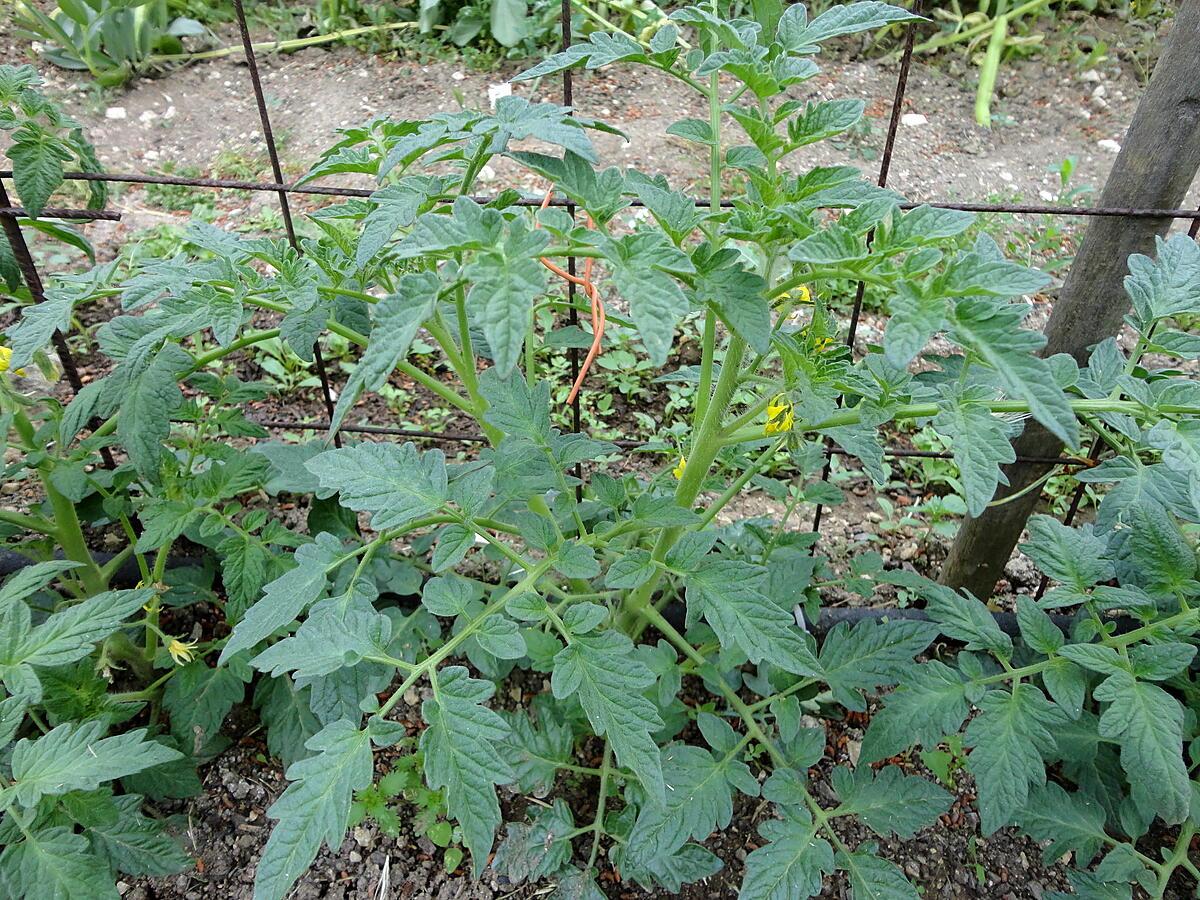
598,315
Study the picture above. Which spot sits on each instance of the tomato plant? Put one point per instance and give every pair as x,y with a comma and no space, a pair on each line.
1075,731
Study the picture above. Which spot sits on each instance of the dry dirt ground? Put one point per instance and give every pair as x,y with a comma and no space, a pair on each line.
189,117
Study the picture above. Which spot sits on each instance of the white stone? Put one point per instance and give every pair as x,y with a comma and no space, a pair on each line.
1090,75
170,113
497,91
147,116
1109,144
913,120
458,76
115,112
487,173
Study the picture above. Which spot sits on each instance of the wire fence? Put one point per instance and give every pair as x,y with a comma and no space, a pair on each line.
10,214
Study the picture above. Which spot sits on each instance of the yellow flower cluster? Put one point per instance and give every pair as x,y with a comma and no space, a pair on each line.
780,417
680,467
801,294
821,344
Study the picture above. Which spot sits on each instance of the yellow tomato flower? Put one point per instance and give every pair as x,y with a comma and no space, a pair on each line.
801,294
780,417
5,359
181,651
680,467
821,344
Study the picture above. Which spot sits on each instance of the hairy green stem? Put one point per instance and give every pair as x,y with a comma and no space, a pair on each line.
1118,641
740,482
432,661
601,803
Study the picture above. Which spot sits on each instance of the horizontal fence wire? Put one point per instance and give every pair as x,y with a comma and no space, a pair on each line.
53,212
1030,209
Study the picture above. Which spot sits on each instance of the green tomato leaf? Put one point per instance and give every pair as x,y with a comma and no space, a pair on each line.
397,318
991,330
791,865
600,667
729,595
315,808
929,704
395,483
1147,722
698,802
889,801
461,756
56,863
75,757
873,878
870,656
1011,737
1068,822
1076,557
981,443
285,598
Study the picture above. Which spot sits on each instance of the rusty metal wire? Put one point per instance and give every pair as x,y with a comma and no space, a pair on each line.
624,443
276,187
33,280
54,212
885,167
277,172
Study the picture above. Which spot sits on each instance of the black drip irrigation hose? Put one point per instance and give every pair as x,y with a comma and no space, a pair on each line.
128,575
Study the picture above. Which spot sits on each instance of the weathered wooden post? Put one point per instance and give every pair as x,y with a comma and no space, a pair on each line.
1159,158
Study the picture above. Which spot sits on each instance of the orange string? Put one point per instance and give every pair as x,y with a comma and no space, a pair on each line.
598,314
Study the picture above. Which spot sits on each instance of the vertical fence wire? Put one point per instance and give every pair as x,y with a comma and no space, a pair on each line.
33,281
568,91
885,168
277,171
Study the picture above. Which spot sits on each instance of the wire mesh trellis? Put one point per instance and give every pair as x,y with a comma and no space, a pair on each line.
10,214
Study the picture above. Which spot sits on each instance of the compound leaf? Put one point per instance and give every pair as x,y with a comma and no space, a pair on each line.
728,594
600,667
1011,737
461,756
315,808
